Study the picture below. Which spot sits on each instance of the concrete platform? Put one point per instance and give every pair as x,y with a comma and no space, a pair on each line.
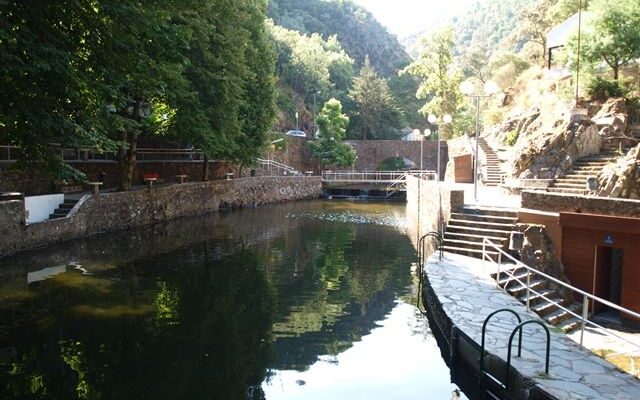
467,294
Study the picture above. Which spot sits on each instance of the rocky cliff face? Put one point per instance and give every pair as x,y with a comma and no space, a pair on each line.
550,153
621,179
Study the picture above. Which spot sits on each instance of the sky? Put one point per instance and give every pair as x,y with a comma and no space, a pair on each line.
405,17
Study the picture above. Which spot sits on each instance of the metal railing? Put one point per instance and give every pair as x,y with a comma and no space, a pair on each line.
9,153
586,297
389,177
282,169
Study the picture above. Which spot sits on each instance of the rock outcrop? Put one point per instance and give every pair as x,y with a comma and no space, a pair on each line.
622,179
536,238
550,154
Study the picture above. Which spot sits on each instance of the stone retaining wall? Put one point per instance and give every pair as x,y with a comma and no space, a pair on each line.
124,210
560,202
429,204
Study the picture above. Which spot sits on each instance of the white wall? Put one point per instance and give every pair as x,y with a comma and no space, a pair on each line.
38,208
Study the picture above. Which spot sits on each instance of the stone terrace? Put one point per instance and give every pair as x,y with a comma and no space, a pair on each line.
468,295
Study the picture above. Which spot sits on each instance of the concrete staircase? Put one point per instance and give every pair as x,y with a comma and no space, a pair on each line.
468,226
493,165
63,209
550,312
575,181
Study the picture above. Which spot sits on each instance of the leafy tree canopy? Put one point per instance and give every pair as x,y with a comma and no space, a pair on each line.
378,116
328,146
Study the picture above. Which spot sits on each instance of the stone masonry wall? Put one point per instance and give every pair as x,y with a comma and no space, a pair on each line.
123,210
423,207
560,202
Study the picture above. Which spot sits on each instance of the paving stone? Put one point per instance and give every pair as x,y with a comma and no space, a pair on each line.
467,297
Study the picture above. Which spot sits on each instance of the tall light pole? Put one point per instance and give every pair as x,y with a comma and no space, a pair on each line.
446,119
416,132
315,123
468,89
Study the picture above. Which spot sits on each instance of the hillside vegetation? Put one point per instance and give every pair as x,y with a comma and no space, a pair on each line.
345,27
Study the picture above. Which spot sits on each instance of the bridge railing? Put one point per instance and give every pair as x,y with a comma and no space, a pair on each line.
374,176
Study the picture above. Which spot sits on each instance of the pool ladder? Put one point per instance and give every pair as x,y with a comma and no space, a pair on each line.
489,382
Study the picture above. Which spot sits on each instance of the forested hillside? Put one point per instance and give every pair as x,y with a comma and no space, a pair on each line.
311,37
484,24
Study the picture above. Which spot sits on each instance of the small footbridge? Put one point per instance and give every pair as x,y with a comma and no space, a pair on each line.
373,184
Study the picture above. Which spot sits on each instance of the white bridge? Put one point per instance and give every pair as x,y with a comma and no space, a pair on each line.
392,180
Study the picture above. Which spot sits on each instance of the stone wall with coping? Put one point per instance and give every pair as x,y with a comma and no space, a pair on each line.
429,204
124,210
561,202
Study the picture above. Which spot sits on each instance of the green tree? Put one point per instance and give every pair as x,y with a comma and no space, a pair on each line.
226,106
329,146
138,59
564,9
52,93
534,24
440,80
378,113
615,37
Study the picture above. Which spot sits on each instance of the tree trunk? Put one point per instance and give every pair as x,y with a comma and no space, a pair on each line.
127,157
205,169
616,70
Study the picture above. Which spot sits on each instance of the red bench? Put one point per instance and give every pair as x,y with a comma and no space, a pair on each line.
150,175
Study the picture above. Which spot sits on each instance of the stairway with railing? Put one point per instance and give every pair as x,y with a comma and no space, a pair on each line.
275,167
530,288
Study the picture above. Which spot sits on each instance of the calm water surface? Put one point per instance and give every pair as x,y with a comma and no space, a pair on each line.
311,300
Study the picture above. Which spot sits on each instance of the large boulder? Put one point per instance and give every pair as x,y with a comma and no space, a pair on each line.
622,179
547,155
545,260
612,119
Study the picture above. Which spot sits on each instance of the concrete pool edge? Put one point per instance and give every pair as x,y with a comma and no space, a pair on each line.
458,295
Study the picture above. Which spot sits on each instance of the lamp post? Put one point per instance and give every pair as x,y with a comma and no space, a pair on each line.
416,132
468,89
446,119
315,124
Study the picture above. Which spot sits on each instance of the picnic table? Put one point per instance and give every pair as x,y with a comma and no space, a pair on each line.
95,187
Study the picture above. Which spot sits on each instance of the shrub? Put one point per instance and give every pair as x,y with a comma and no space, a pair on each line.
512,137
602,89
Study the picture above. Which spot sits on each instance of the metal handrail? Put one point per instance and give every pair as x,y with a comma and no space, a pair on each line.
585,296
484,331
421,244
513,333
278,165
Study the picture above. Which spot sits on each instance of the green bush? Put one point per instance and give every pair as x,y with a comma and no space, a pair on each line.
602,89
512,137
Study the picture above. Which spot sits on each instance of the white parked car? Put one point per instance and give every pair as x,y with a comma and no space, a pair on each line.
296,133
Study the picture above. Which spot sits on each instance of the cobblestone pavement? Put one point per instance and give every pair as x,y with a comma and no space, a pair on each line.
468,295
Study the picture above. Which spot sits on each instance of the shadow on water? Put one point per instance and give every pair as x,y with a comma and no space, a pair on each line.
207,307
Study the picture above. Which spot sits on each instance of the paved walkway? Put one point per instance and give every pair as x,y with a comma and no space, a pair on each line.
468,295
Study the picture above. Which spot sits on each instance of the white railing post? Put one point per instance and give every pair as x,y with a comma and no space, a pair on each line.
484,255
585,314
528,289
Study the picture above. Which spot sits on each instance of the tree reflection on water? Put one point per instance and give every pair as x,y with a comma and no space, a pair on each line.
205,311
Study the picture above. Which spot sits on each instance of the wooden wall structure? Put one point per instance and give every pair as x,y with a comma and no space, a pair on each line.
584,236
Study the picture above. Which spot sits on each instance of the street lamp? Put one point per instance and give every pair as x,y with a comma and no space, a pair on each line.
416,132
468,89
315,122
446,119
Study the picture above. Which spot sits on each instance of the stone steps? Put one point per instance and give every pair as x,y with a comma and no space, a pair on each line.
63,209
575,180
469,226
493,165
545,302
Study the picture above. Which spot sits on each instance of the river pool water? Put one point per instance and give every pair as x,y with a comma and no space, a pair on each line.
308,300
